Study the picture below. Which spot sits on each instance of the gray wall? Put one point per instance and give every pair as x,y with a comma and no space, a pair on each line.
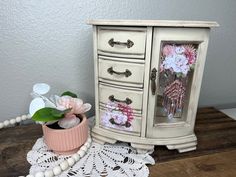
49,41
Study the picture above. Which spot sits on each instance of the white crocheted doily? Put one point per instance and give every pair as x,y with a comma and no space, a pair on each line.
118,160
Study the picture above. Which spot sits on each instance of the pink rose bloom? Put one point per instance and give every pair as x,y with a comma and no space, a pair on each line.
75,104
190,53
168,50
69,121
161,68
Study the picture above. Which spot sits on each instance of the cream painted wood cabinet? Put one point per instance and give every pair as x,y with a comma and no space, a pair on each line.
148,76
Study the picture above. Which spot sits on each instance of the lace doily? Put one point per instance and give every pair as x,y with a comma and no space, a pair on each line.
118,160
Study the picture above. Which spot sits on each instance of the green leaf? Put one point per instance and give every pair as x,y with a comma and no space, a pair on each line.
68,93
192,66
48,114
179,75
59,113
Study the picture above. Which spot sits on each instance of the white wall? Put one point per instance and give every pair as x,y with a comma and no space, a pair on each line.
49,41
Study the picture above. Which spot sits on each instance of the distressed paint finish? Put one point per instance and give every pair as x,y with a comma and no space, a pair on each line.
152,128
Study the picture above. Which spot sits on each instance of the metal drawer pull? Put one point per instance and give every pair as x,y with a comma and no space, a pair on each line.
153,81
127,100
127,72
126,124
129,43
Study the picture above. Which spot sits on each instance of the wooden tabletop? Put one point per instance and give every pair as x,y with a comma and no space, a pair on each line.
221,164
215,155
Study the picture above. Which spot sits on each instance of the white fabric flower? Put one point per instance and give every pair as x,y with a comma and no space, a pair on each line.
179,63
119,117
179,50
69,122
169,62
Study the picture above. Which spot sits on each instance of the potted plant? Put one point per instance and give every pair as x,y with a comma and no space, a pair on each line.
64,124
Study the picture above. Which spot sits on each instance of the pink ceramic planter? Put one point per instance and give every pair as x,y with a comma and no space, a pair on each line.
66,141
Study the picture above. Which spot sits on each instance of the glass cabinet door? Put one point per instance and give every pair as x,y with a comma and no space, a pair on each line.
175,71
175,78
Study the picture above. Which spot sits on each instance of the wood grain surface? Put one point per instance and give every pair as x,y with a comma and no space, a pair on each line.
215,155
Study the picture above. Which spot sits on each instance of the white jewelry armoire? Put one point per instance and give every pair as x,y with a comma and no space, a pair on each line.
148,76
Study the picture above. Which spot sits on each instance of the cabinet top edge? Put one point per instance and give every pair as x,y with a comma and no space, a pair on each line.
164,23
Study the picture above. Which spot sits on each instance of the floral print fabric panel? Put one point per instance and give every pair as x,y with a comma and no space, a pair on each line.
118,116
176,64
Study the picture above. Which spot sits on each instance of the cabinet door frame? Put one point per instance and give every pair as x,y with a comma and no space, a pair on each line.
180,35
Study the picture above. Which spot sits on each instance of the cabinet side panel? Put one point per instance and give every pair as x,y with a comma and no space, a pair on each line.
96,74
197,79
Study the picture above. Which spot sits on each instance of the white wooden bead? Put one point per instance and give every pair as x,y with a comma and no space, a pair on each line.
12,121
84,148
81,153
71,161
89,140
64,165
24,117
76,157
6,123
28,116
18,119
57,170
30,176
48,173
1,125
87,144
39,174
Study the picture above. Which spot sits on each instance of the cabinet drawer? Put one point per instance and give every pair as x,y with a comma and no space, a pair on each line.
122,40
116,121
121,71
112,94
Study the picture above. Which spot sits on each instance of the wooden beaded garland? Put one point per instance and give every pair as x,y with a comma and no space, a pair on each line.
18,119
39,174
64,165
76,157
57,170
6,123
48,173
29,176
71,161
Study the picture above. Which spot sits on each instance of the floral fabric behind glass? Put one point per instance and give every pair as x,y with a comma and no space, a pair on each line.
176,64
118,116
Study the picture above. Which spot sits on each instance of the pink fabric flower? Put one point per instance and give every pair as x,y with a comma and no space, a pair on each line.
168,50
190,53
126,110
75,104
161,67
69,121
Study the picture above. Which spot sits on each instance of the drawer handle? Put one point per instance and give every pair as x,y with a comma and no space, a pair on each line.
153,81
129,43
127,72
126,124
127,100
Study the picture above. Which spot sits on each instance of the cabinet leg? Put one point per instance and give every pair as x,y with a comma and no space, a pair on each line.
143,148
184,147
